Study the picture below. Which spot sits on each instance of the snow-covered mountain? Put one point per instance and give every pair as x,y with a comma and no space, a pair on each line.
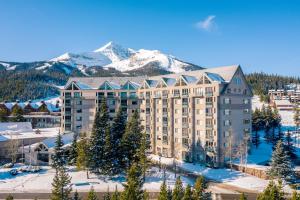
118,58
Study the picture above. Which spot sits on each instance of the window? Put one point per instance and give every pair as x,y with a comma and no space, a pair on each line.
246,121
199,91
79,111
246,101
227,101
227,112
227,123
185,141
78,118
134,102
76,94
246,111
79,102
185,91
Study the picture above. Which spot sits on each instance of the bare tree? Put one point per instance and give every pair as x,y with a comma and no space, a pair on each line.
13,146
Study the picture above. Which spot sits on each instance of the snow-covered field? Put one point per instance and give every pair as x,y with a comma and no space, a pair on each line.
227,176
41,182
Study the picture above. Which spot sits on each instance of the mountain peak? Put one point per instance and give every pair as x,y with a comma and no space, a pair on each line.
115,52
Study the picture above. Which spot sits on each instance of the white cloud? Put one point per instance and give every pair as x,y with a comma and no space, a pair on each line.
208,24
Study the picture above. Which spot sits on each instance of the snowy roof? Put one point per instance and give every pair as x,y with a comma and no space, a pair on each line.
66,138
15,128
169,81
219,74
283,102
96,82
82,85
214,77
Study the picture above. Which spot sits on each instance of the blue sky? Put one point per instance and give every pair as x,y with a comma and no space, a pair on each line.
259,35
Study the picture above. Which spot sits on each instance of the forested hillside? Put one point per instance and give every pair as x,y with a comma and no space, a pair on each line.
262,82
33,84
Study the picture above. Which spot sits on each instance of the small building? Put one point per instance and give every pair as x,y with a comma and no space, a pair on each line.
283,105
40,152
14,135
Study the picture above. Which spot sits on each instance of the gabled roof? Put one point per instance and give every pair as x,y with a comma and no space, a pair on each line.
189,79
214,77
130,86
152,83
96,82
66,138
169,81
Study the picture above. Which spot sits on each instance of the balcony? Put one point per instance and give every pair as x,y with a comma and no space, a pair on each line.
176,95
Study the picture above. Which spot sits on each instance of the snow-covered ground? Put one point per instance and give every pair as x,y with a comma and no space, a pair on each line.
41,182
227,176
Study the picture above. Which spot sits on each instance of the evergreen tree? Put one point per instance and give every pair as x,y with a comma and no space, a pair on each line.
257,123
170,194
269,118
295,196
243,196
61,185
143,161
133,187
76,196
117,132
272,192
58,158
9,197
82,158
73,151
107,195
116,195
188,193
92,194
178,190
108,160
97,139
289,147
199,189
163,194
131,140
281,166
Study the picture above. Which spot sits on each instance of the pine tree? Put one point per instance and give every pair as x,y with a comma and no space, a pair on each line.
289,147
61,185
243,196
82,158
272,192
73,151
97,139
107,167
116,195
76,196
143,161
133,187
92,194
107,195
9,197
188,193
178,190
170,194
117,132
199,189
58,158
163,194
295,196
281,166
131,140
256,126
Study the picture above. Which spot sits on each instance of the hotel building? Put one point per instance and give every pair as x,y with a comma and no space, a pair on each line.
193,116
